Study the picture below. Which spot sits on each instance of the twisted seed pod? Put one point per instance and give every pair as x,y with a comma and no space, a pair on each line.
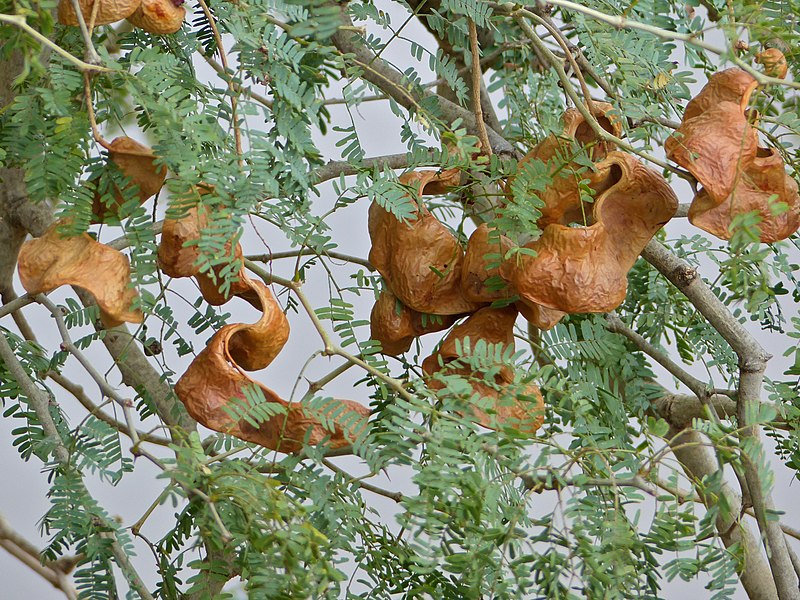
556,151
584,269
137,162
215,384
719,146
774,62
494,326
52,260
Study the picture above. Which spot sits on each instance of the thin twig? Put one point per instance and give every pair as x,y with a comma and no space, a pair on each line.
87,90
125,403
94,410
223,57
19,21
621,22
396,496
477,80
91,54
311,252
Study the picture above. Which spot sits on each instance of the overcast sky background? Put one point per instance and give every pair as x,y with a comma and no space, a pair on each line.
22,497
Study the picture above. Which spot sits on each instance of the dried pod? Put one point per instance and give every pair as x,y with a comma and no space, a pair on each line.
584,269
396,326
719,146
109,11
137,162
214,382
420,260
160,17
560,196
480,276
774,62
494,326
50,261
178,255
215,389
714,143
538,315
731,85
760,183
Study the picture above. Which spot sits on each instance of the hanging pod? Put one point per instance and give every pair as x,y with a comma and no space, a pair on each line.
557,152
584,269
52,260
525,410
160,17
108,11
718,145
215,387
177,258
216,380
482,280
396,326
137,162
421,260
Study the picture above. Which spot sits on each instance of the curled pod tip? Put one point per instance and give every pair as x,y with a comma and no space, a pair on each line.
159,17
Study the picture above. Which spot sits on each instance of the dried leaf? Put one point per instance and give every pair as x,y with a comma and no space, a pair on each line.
50,261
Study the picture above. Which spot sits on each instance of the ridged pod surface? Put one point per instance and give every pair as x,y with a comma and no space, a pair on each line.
584,269
507,406
159,17
717,143
52,260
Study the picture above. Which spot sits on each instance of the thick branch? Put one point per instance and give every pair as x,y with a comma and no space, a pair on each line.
752,364
698,463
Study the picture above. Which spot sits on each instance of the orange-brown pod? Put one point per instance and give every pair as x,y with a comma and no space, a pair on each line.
137,162
160,17
52,260
109,11
396,326
584,269
420,260
493,326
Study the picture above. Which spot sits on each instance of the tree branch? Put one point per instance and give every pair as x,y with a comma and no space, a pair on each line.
393,83
752,364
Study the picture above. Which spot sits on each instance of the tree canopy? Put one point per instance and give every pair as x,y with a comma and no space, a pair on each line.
579,265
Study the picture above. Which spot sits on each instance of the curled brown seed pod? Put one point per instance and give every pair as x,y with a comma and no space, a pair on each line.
52,260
